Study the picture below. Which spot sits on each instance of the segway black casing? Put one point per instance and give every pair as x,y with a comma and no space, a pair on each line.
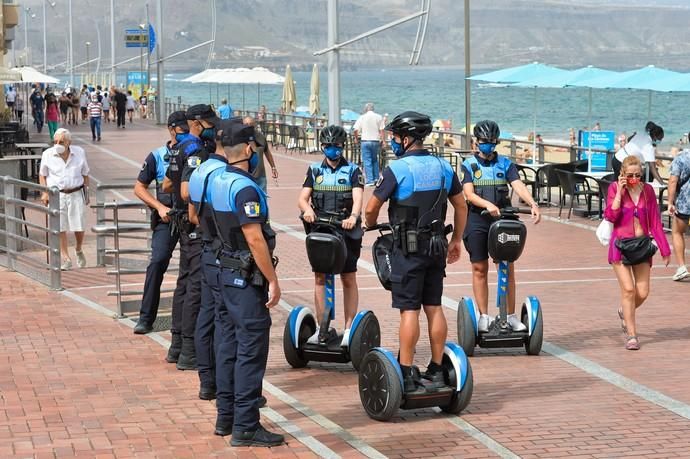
507,240
326,251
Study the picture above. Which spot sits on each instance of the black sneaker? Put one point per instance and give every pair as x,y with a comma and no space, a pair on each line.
223,427
412,380
436,380
259,437
207,393
142,328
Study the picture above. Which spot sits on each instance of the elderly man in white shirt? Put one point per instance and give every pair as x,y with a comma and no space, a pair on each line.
64,166
369,127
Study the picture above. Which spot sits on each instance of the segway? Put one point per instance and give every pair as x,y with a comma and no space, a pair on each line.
380,377
507,236
327,252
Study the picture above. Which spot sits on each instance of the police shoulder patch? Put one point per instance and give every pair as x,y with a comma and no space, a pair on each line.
193,161
252,209
360,179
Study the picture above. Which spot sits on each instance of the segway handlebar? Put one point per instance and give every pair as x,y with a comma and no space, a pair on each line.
332,220
508,212
380,226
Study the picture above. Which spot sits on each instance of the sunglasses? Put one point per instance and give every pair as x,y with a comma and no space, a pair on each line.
633,175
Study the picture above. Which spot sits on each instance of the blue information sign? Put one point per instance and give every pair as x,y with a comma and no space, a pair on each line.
600,140
137,78
136,38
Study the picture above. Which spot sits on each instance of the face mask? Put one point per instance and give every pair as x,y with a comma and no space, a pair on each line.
487,148
333,152
59,148
633,181
396,147
179,136
208,134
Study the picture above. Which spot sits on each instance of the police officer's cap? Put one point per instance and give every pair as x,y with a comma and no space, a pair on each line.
412,124
235,133
203,112
177,119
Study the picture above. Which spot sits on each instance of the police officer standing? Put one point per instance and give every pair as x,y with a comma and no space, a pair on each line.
418,186
249,287
200,183
190,153
485,180
334,187
163,240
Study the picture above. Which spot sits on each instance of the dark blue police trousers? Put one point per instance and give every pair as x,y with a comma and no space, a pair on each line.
162,247
211,301
187,296
243,325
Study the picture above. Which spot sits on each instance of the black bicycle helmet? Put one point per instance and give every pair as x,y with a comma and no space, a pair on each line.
333,135
411,124
487,130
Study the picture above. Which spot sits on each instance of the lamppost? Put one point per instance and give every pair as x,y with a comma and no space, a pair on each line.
144,33
45,27
88,43
27,14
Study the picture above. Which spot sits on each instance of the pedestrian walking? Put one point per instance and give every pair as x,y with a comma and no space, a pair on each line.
368,130
679,209
64,166
95,115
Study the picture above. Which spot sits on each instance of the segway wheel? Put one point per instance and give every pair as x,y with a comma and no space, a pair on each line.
380,389
467,337
461,398
295,355
366,336
536,338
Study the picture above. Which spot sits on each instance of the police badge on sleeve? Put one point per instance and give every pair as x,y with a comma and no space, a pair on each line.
193,161
252,209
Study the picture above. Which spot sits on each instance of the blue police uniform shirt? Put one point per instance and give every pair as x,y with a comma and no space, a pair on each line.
511,173
154,169
211,168
355,177
400,178
235,191
190,153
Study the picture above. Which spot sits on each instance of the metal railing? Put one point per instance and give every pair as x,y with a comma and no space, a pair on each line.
30,238
128,221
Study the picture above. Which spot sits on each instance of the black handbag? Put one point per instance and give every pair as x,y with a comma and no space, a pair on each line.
636,250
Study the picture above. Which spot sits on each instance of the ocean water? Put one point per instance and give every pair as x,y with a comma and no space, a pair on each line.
440,93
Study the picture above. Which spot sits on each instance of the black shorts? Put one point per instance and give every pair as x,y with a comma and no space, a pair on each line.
476,237
416,280
685,218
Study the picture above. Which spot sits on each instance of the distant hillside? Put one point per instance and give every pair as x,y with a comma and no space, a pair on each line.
613,34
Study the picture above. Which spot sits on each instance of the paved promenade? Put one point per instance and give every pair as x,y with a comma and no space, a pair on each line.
74,382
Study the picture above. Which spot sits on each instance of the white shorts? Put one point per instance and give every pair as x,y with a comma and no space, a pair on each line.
72,211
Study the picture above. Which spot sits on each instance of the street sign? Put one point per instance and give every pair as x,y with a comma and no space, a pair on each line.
152,39
137,78
603,140
136,38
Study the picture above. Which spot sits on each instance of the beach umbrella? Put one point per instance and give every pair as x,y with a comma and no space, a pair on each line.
31,75
645,78
348,115
569,78
240,75
289,100
314,103
519,74
9,76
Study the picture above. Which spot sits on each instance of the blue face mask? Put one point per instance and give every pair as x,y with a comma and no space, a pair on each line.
396,147
179,136
333,152
487,148
208,134
253,162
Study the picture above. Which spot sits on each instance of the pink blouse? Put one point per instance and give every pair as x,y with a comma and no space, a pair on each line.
622,218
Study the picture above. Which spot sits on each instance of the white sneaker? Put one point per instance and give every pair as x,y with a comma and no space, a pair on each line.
681,273
66,265
484,321
314,339
346,338
515,323
81,260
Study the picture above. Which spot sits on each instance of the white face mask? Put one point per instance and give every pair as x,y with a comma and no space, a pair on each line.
59,148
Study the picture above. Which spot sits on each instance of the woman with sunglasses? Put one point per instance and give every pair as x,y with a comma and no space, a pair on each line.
632,208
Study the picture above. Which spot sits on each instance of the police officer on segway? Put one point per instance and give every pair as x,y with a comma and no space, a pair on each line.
190,152
418,185
249,288
334,188
486,176
163,240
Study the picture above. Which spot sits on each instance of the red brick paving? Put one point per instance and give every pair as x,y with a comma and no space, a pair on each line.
535,406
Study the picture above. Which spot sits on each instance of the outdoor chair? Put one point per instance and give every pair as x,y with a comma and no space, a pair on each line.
573,186
297,139
604,184
529,177
547,178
